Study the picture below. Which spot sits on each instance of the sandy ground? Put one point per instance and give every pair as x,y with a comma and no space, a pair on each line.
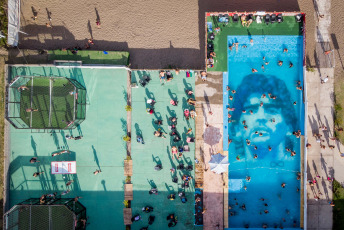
156,33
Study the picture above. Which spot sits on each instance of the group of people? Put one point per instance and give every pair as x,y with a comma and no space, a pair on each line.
263,210
177,149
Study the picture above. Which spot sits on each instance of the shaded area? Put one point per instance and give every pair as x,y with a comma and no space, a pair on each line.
338,209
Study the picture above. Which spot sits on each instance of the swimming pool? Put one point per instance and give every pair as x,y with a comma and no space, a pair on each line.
261,129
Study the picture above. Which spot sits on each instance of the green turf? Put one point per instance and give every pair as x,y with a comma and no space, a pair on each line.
101,147
62,103
91,57
288,27
143,155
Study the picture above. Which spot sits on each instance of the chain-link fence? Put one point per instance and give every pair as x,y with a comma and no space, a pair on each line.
45,103
55,214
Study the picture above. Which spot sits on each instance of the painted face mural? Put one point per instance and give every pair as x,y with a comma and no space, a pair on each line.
264,115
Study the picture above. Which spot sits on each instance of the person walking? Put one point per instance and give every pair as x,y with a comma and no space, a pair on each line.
69,182
36,174
97,171
33,160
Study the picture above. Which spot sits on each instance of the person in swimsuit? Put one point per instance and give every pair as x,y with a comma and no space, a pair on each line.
162,76
175,152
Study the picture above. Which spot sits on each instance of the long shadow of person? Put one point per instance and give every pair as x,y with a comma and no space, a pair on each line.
157,115
138,131
149,94
156,160
95,157
187,86
97,14
172,113
34,146
173,96
170,189
151,183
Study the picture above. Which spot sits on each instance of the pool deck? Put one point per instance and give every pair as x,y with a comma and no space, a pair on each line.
209,98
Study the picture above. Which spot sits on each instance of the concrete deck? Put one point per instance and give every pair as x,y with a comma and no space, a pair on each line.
209,98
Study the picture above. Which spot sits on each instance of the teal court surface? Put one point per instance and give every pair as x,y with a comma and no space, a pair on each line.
156,150
101,147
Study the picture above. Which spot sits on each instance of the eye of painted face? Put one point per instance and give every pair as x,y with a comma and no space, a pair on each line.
253,104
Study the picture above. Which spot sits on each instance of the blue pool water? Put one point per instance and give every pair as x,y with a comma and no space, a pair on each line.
275,120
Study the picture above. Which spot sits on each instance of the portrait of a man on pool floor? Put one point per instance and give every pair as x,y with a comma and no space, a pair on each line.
261,131
264,119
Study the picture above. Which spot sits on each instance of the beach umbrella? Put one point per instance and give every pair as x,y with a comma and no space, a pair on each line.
218,163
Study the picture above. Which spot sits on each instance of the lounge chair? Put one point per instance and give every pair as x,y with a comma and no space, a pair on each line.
210,27
258,19
211,36
143,83
298,17
279,18
267,19
226,18
146,78
235,18
210,47
273,18
186,148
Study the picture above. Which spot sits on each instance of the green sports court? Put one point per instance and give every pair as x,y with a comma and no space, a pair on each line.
102,145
